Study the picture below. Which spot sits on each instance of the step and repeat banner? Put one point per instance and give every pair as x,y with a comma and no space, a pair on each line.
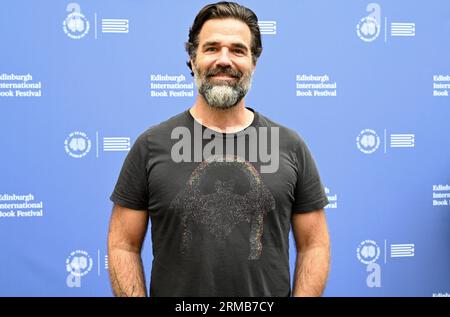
366,84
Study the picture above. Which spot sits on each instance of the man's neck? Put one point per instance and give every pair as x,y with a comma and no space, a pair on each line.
229,120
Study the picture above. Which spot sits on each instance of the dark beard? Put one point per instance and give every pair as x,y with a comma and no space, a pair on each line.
224,94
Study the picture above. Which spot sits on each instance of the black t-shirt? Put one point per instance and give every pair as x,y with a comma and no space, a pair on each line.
220,221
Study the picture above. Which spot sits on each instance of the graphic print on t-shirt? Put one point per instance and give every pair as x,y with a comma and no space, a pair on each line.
222,192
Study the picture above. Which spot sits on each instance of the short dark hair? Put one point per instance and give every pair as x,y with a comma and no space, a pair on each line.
222,10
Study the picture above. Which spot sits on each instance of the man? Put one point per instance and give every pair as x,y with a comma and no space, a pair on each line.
222,185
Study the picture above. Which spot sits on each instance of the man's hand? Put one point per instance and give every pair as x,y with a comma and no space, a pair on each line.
313,253
126,234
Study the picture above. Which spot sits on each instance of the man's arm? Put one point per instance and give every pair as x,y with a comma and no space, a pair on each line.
125,238
313,253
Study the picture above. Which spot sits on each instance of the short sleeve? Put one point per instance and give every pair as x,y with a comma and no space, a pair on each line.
131,190
309,192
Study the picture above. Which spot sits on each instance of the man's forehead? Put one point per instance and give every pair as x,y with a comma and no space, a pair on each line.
225,30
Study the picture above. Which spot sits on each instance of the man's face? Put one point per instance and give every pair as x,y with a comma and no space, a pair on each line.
223,66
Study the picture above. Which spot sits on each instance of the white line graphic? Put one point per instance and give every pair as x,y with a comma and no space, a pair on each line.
402,140
268,27
402,250
115,26
403,29
116,144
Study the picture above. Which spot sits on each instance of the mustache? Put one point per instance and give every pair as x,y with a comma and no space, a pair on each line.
224,70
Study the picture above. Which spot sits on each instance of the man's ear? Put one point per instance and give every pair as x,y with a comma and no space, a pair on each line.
190,64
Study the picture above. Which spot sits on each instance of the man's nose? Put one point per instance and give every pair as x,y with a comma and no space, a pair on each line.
224,58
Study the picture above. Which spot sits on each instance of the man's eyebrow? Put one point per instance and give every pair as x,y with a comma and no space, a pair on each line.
240,45
210,43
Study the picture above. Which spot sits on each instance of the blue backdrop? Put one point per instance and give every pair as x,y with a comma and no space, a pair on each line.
365,84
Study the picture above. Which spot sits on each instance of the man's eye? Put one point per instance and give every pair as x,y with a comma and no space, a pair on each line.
210,49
